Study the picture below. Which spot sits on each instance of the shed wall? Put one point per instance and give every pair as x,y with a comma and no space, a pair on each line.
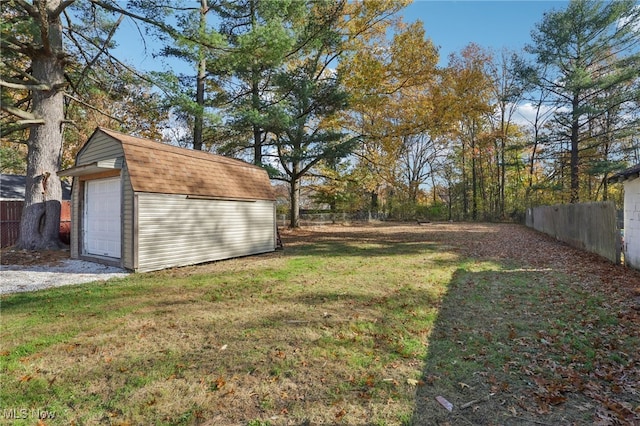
74,243
632,223
128,257
173,230
100,147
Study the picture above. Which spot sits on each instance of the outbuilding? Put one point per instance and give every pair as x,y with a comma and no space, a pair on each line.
631,247
144,205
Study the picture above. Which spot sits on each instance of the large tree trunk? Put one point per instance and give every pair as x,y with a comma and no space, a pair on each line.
198,124
257,129
575,156
295,202
40,224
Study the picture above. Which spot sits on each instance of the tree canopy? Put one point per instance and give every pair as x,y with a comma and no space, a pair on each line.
339,96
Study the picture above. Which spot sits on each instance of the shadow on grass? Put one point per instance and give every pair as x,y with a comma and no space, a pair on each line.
394,240
358,248
492,342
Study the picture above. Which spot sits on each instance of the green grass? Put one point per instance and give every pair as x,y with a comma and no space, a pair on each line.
288,334
331,330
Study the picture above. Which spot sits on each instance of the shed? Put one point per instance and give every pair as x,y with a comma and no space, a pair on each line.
631,181
144,205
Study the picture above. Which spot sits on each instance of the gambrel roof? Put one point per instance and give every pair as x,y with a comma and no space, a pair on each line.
160,168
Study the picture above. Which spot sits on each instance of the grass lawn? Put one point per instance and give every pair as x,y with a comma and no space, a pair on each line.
347,325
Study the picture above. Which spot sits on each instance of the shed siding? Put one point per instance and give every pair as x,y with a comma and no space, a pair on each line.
100,147
74,249
127,220
632,223
174,230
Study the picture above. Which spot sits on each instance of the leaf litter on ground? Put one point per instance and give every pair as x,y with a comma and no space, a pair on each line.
527,331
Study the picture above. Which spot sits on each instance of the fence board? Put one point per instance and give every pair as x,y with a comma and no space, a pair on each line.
587,226
11,213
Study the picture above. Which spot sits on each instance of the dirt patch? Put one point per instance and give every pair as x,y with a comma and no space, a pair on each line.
12,256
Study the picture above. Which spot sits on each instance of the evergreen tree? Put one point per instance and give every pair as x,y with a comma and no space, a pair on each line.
593,47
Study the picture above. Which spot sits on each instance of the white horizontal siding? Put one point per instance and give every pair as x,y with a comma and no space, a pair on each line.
176,231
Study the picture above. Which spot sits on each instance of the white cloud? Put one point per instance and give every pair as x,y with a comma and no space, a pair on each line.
525,114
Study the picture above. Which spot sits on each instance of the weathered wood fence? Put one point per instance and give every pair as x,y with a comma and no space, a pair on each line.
588,226
11,213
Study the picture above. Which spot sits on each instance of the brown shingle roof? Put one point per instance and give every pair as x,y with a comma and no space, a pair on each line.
161,168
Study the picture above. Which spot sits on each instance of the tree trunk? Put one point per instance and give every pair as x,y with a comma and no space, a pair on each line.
474,176
40,223
198,124
575,137
256,105
503,166
255,94
295,202
374,202
465,183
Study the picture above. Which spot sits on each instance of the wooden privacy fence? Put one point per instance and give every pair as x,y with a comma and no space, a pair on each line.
588,226
11,213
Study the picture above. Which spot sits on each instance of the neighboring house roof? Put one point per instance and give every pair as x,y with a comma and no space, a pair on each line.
627,174
12,187
160,168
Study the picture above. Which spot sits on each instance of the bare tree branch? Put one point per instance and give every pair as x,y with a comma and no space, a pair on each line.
32,11
63,5
80,101
21,86
101,50
6,130
166,28
120,63
24,115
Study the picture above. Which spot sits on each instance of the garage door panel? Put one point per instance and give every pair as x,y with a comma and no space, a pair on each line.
102,224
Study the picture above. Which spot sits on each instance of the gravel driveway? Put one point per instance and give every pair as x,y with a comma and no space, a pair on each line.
18,278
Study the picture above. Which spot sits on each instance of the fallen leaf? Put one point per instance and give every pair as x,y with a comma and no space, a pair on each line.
220,382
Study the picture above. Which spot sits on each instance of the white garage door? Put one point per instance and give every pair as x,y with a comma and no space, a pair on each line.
102,222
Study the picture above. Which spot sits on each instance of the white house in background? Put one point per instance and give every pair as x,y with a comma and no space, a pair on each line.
144,205
631,181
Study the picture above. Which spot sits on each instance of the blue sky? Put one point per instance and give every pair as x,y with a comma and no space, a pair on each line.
452,25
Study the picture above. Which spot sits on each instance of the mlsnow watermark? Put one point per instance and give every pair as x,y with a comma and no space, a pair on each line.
26,413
